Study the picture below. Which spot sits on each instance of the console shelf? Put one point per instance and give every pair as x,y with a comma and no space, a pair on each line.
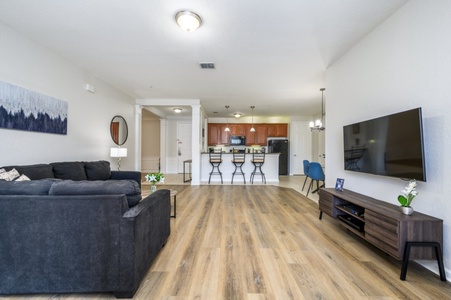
381,223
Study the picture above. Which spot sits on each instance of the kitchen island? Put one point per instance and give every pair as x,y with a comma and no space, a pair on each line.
270,168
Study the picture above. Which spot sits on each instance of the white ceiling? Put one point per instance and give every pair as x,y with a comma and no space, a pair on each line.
271,54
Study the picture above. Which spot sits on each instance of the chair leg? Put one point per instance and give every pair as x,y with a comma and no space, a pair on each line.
320,214
262,174
253,174
215,166
309,186
305,180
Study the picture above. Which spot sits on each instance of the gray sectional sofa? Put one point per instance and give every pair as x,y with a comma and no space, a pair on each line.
78,227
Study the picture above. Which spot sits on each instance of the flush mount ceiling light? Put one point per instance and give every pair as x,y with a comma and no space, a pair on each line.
177,110
188,20
319,124
237,115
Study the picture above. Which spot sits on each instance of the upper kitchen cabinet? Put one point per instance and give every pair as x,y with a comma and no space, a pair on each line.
224,135
277,130
213,134
237,129
258,137
218,136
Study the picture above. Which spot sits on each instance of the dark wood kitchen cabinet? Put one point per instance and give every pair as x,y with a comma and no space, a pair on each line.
238,129
218,136
213,134
277,130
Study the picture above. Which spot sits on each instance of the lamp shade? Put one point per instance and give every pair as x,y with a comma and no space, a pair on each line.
118,152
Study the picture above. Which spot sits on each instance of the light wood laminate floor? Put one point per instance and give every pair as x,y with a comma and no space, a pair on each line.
266,242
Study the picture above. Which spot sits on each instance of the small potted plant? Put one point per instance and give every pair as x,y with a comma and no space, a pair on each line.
407,197
154,178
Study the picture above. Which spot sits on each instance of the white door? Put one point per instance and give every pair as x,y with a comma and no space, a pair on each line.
301,146
322,148
183,144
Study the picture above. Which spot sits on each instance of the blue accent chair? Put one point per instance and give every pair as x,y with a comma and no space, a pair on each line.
315,173
306,167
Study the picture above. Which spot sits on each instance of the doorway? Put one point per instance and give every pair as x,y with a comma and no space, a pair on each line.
184,150
301,146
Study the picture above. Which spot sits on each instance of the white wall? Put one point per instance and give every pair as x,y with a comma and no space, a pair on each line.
24,63
403,64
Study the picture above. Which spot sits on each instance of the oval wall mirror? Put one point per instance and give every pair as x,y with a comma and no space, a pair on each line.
119,130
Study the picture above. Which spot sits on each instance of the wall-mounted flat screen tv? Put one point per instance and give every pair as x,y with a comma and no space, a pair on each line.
389,146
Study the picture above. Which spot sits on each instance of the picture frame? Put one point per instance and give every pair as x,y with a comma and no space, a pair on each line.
24,109
339,184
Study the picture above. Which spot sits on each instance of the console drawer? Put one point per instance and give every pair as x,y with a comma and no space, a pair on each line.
383,232
325,203
386,246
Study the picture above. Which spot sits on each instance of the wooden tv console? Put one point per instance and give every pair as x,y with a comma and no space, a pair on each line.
382,224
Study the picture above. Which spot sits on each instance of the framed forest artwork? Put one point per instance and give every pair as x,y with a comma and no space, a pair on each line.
23,109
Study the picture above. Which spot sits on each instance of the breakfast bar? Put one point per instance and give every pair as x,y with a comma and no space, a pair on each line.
270,168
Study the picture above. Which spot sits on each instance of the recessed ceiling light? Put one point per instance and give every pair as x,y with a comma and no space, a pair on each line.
177,110
188,20
237,115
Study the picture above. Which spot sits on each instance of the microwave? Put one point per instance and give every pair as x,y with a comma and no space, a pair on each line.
237,140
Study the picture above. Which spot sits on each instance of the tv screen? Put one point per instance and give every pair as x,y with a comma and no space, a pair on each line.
390,146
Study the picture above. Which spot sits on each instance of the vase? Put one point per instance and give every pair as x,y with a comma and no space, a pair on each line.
153,188
406,210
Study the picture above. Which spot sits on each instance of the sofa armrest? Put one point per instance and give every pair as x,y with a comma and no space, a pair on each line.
130,175
146,226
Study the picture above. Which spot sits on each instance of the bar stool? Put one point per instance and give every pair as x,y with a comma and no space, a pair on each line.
238,160
258,159
215,161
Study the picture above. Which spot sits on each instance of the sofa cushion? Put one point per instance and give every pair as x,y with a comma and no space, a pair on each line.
98,170
34,172
33,187
69,170
111,187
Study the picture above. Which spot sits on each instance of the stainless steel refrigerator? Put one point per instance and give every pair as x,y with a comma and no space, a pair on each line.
280,146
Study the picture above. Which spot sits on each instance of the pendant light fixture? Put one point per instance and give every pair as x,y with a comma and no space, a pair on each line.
252,128
318,124
227,128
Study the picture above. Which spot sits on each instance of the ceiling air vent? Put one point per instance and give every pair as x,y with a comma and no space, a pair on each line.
207,65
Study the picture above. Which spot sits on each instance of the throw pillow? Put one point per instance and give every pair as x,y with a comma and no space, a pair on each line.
35,172
98,170
22,177
69,170
9,175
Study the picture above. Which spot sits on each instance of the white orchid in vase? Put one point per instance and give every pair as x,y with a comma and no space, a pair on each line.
154,178
408,194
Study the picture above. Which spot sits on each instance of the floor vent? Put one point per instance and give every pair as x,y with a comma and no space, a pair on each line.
207,65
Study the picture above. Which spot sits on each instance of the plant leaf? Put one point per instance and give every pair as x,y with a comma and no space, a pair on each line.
402,200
